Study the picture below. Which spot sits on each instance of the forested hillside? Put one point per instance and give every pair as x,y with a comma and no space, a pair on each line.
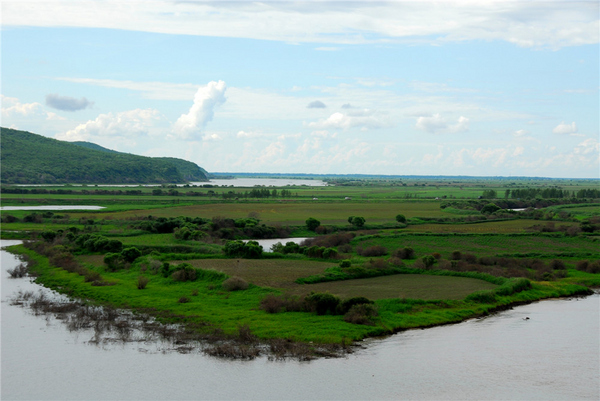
34,159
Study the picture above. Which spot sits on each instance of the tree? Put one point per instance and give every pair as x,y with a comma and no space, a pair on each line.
312,223
357,221
490,208
400,218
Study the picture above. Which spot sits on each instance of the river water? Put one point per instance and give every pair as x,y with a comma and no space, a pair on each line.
554,355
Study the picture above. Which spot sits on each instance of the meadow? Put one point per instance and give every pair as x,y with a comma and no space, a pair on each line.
268,296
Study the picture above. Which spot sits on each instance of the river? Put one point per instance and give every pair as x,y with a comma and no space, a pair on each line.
554,355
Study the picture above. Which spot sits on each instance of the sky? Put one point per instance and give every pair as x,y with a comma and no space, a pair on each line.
474,88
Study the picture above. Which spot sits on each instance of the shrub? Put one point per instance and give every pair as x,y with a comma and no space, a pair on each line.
345,305
142,282
375,250
183,300
400,218
19,271
361,314
281,303
312,223
345,263
428,261
404,253
183,272
235,283
557,264
321,303
131,254
456,255
329,253
594,267
113,261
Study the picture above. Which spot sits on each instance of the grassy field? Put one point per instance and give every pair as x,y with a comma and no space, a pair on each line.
482,245
400,286
403,300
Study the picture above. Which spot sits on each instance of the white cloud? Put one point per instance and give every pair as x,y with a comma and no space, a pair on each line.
437,124
127,124
12,107
364,120
520,133
528,24
565,129
207,98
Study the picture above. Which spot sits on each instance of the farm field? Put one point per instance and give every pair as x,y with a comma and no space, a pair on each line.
482,245
414,286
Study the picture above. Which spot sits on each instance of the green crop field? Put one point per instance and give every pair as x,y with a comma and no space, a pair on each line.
484,245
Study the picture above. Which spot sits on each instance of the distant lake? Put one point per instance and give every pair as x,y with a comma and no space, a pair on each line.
235,182
267,182
52,207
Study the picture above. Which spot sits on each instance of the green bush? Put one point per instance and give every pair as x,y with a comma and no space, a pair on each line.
235,284
362,313
482,297
183,272
312,223
131,254
345,263
345,305
321,303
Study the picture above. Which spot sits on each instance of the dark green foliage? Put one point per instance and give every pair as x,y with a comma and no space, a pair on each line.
28,158
356,221
312,223
362,313
345,305
345,263
400,218
131,254
428,261
404,253
490,208
322,303
183,272
48,236
114,261
250,249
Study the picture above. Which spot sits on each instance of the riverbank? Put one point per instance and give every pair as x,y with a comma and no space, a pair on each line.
235,316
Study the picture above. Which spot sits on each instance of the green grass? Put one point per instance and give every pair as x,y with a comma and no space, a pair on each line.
227,310
482,245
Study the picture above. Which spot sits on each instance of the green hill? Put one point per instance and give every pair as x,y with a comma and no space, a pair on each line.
34,159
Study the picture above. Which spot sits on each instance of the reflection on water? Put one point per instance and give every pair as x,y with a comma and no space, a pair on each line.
551,356
268,243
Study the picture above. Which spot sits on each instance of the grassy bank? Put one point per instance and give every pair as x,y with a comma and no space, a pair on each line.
209,306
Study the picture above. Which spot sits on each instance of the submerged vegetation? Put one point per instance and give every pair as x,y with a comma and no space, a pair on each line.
197,270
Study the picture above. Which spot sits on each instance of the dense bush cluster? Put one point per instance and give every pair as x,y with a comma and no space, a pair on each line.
357,310
241,249
531,268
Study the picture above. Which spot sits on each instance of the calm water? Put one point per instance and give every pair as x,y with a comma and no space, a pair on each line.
268,243
267,182
552,356
50,207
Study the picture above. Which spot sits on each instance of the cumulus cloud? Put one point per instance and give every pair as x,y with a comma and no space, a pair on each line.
67,103
438,124
317,104
12,107
565,129
347,106
363,119
190,125
520,133
138,122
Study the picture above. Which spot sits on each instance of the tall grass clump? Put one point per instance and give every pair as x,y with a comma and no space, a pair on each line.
142,282
235,283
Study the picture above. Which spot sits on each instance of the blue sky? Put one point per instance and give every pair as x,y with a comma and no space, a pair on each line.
452,88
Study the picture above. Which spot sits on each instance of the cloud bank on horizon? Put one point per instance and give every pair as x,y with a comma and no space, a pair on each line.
494,88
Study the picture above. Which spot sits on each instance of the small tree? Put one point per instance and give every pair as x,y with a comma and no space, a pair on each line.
358,221
400,218
312,223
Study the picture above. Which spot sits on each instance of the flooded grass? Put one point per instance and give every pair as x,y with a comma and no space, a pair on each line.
111,326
